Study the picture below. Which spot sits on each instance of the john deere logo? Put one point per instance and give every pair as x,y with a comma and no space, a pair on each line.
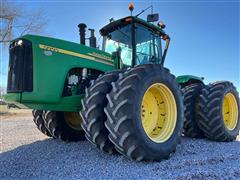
47,53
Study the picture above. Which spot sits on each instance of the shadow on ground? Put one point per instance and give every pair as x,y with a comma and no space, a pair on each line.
55,159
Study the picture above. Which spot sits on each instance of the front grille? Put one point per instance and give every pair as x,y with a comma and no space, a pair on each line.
20,72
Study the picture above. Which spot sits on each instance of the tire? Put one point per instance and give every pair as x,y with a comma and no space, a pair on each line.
191,94
190,82
38,120
211,116
57,124
127,109
93,114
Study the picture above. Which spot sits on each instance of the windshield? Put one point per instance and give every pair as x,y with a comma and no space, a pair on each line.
120,40
147,45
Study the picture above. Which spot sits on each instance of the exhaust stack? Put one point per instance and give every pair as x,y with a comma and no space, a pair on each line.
82,31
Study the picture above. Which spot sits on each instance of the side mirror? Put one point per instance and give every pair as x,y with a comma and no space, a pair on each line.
153,17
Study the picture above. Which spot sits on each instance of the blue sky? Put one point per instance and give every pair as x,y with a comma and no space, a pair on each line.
205,35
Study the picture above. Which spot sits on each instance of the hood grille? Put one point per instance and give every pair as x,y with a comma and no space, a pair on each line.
20,70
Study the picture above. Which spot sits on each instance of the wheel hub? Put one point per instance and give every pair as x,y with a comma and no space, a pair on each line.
73,119
158,112
230,111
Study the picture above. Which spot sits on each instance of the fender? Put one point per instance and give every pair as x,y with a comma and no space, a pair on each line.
189,79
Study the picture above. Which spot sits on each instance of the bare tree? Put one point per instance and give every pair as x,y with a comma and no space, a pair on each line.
17,21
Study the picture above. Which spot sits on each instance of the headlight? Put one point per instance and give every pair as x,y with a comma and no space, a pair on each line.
19,42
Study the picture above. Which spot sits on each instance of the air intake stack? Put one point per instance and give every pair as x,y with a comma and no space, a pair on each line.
92,39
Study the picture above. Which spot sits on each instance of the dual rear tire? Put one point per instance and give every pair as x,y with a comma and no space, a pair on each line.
218,115
38,119
191,94
65,126
212,111
59,125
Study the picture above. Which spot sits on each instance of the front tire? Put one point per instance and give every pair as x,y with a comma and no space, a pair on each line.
93,114
64,125
145,113
218,115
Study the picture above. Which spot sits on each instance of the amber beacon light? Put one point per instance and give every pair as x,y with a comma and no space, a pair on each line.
131,7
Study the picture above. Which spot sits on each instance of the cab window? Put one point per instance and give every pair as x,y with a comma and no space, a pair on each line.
147,45
120,40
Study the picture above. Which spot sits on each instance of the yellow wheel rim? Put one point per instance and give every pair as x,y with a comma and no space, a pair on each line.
230,111
159,113
73,119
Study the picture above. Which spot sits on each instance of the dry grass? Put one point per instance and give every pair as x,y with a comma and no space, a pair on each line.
6,113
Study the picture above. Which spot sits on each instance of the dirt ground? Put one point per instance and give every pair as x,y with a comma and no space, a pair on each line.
28,154
6,113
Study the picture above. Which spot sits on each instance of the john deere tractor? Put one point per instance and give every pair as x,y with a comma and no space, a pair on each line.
121,98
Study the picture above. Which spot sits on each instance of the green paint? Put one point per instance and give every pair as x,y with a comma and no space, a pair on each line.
50,71
70,103
186,78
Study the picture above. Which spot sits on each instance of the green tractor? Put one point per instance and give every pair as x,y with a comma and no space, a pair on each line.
121,98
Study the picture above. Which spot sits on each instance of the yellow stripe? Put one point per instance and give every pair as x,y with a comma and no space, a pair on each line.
63,51
107,58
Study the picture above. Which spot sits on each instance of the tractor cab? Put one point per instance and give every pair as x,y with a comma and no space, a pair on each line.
134,41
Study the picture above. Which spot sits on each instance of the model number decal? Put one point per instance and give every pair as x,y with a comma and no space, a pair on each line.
63,51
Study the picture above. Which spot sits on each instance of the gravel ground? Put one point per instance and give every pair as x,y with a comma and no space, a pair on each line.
27,154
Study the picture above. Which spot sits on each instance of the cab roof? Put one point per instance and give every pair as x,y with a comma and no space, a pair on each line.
127,20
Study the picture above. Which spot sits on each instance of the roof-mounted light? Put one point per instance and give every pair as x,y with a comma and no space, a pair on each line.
131,7
129,19
161,25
